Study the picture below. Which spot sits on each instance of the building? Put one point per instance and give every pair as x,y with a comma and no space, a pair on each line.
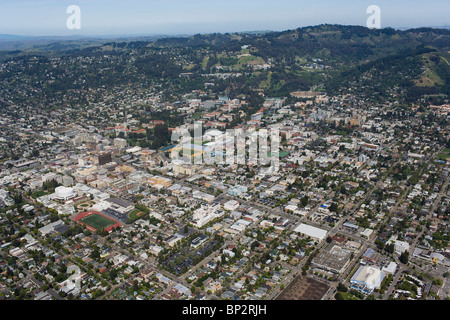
64,193
391,268
371,256
120,205
334,259
209,104
104,158
6,198
51,227
198,241
399,246
159,182
367,278
205,214
183,168
119,142
172,240
310,231
25,164
231,205
237,190
203,196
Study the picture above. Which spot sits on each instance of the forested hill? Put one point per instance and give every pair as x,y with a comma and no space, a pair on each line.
337,42
415,59
415,62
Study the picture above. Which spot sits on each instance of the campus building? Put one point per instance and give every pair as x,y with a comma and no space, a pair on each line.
64,194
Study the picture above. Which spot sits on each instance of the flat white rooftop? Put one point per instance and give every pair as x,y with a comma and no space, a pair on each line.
311,231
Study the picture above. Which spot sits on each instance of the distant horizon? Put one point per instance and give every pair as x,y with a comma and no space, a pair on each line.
137,35
115,18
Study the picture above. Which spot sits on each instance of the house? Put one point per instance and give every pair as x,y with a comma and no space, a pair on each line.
163,279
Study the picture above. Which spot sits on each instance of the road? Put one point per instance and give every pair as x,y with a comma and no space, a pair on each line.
294,220
30,277
442,192
366,243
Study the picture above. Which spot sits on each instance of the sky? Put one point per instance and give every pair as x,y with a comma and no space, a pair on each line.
147,17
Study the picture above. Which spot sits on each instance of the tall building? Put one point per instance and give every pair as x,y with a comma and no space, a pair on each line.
104,158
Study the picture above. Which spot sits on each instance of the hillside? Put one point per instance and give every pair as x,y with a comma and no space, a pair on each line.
412,63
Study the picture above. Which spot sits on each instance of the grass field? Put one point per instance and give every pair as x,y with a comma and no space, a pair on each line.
135,214
445,154
97,221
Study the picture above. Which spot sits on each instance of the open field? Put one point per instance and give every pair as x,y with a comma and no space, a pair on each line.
135,214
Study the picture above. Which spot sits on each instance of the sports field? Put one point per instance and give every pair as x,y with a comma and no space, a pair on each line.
96,221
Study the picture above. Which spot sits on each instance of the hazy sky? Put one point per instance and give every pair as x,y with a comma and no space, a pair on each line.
114,17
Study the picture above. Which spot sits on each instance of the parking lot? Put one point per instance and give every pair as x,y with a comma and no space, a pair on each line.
181,261
304,288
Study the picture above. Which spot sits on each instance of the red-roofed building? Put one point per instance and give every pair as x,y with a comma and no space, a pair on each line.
338,239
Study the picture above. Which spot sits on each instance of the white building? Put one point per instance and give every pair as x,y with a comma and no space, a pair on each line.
240,225
310,231
51,227
400,246
231,205
367,278
391,268
122,143
6,198
203,196
64,194
205,214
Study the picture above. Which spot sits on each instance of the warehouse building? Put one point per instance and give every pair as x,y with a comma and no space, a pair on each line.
367,278
310,231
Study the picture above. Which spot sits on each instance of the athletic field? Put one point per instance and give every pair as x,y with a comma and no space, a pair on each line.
96,221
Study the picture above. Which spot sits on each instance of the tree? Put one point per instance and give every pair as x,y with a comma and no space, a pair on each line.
380,244
389,248
161,136
341,287
404,257
304,201
333,207
95,254
339,296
